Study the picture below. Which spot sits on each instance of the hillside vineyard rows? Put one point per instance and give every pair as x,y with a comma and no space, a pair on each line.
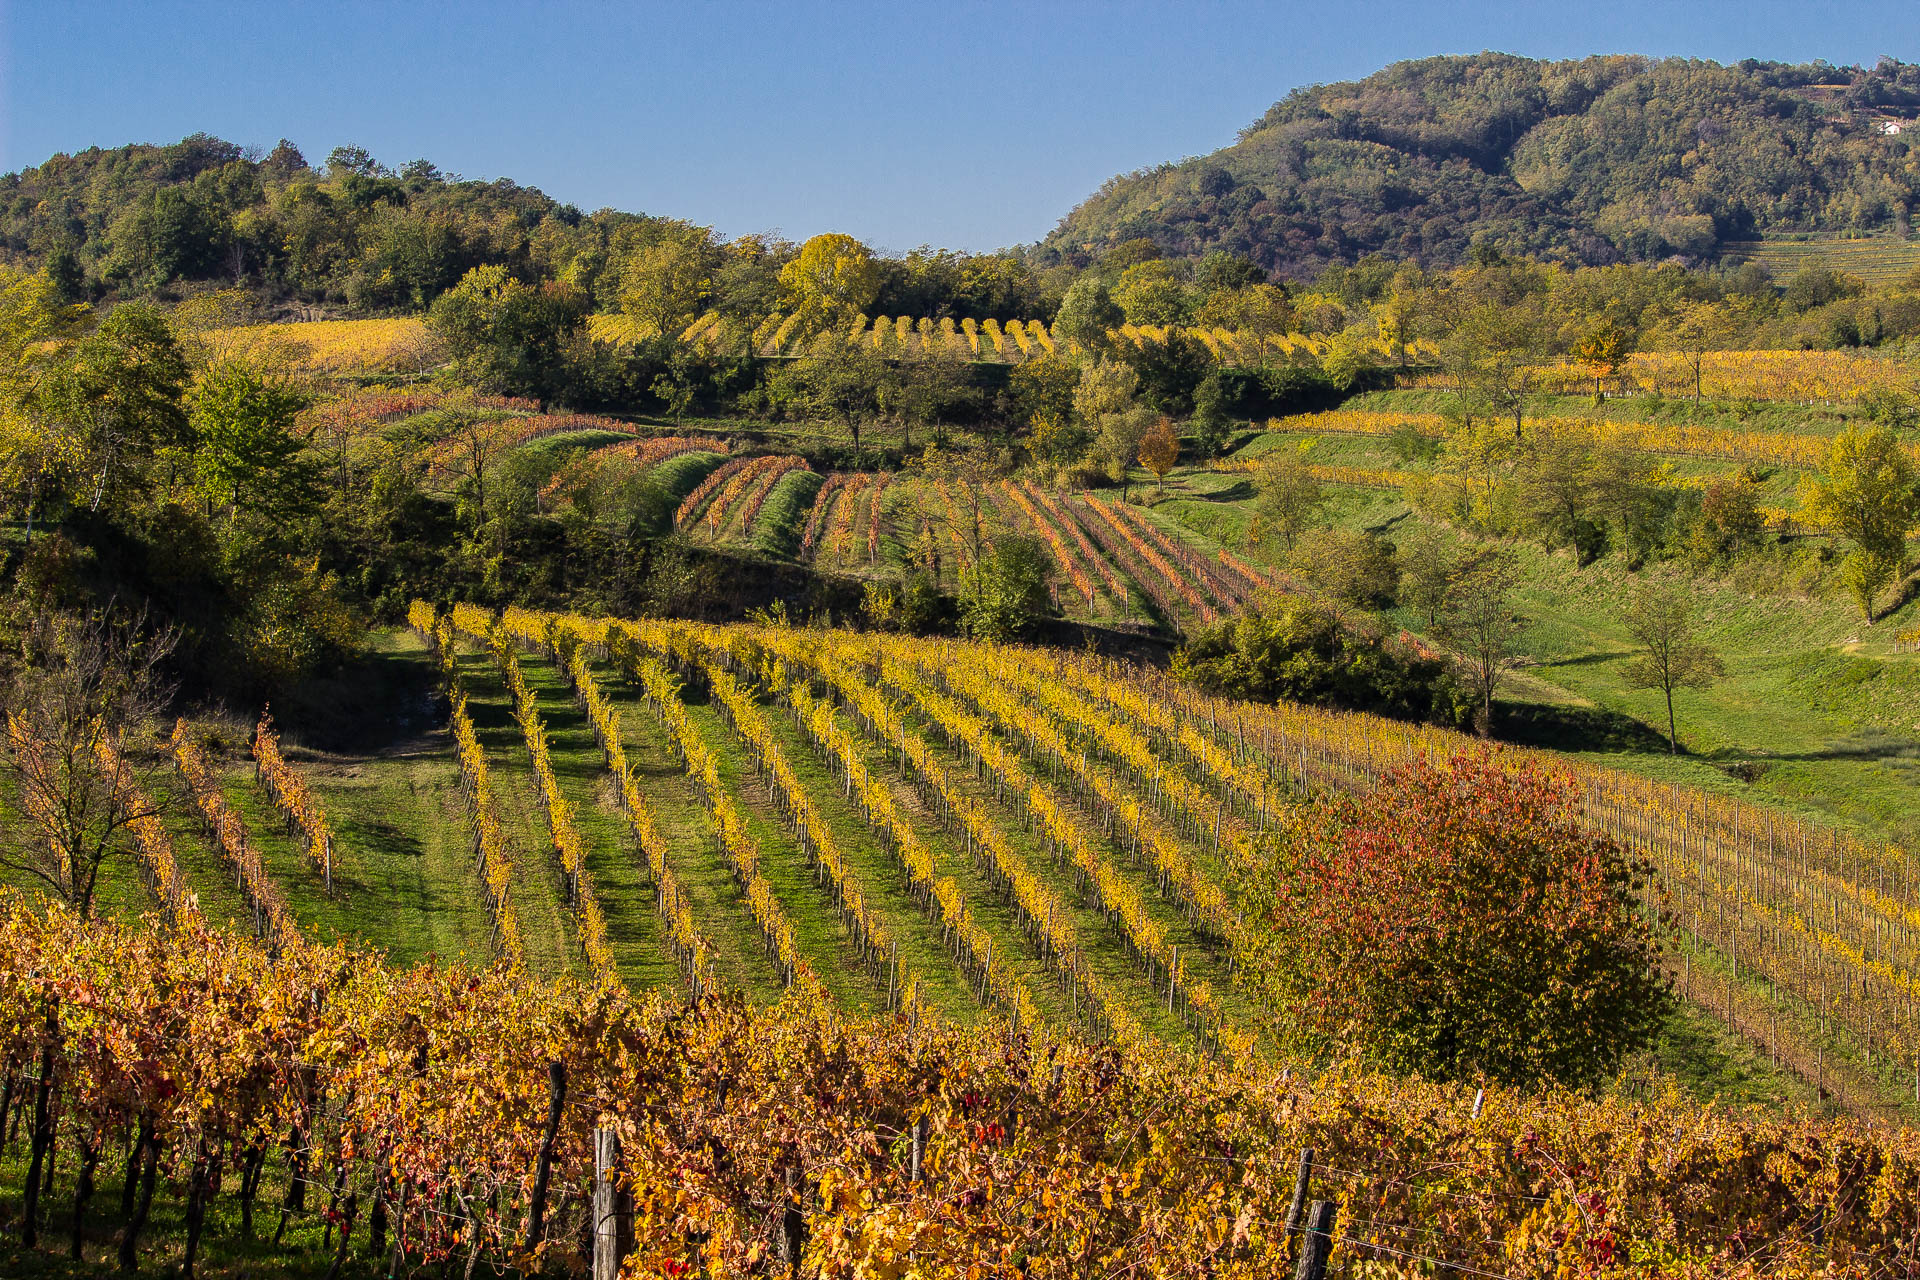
1039,836
1026,841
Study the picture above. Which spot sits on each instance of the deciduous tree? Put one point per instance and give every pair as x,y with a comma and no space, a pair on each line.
1869,494
1675,657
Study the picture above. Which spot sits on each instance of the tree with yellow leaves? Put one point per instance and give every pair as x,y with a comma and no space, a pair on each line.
833,279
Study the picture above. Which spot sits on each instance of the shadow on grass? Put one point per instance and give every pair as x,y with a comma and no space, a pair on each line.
1587,659
375,704
1573,728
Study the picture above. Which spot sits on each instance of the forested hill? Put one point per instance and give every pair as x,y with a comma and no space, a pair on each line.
1597,160
133,219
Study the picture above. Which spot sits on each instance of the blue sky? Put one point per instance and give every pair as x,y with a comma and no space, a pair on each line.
965,125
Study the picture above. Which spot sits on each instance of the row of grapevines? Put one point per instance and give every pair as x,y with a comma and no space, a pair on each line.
1062,555
989,680
689,946
762,486
561,828
875,492
1061,517
270,916
1202,812
845,513
426,1090
1170,590
942,894
1194,566
737,844
1043,914
1069,841
158,866
720,477
813,832
476,784
817,514
290,793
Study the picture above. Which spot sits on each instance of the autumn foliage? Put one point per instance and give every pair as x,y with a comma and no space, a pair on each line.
1460,923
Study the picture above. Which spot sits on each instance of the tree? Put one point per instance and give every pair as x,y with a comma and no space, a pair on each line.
1296,648
665,286
1869,494
84,685
1693,329
1426,573
1603,349
1660,621
1086,316
1460,922
1291,497
38,450
1259,310
511,337
931,388
677,383
476,443
249,454
833,278
1491,354
1160,450
1212,428
1482,627
1149,293
1005,590
844,381
120,392
1353,566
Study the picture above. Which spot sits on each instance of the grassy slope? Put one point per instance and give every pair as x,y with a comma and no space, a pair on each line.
374,747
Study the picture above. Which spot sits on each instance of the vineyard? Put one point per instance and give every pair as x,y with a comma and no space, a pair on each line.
899,820
1043,846
398,345
1805,377
1685,439
438,1118
1879,260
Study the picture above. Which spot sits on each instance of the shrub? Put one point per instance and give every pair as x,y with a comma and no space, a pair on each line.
1459,923
1300,651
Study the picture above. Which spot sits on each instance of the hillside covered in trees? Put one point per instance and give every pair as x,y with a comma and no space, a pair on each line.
1595,160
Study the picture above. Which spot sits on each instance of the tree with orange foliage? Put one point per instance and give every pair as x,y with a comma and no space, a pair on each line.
1160,449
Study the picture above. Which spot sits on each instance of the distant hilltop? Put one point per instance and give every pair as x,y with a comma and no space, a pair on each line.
1595,160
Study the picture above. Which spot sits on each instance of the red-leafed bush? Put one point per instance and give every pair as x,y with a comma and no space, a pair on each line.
1459,923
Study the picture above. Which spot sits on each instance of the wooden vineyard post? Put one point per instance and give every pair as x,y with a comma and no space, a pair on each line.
612,1216
793,1226
1302,1180
1317,1244
919,1149
543,1169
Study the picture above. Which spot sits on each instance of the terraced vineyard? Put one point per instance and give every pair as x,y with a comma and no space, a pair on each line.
1879,260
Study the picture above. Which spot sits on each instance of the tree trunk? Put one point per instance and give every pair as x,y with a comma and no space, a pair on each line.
1673,736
